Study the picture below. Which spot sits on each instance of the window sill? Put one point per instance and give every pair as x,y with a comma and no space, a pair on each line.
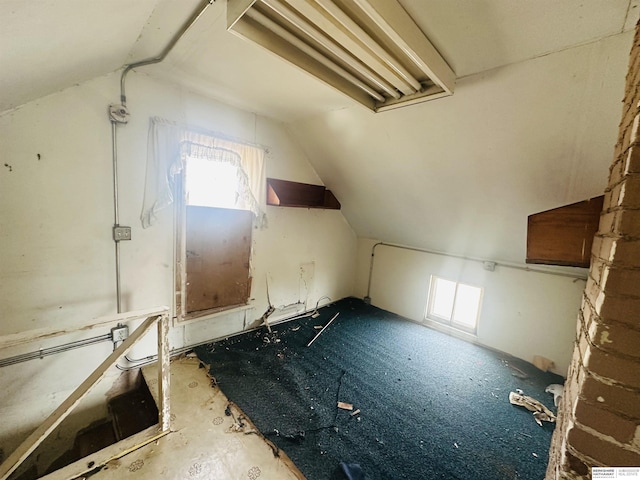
449,330
210,315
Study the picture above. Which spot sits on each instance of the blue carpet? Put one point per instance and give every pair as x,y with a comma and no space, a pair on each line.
432,406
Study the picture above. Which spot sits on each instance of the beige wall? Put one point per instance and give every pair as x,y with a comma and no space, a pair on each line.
57,256
522,313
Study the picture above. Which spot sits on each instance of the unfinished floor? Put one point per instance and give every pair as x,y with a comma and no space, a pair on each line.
205,442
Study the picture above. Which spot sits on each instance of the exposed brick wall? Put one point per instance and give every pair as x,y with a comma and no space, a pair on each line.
599,416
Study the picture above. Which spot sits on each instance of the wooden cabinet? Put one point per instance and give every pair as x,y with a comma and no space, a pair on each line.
283,193
564,235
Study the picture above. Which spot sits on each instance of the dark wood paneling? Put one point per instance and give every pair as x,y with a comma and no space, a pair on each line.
218,244
283,193
564,235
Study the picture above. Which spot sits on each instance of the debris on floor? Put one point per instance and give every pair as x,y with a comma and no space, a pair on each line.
355,412
271,337
345,406
296,437
556,389
323,329
540,412
516,372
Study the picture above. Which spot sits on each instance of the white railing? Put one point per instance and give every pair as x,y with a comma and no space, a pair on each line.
159,316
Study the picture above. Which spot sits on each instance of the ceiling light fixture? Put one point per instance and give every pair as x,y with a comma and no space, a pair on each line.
370,50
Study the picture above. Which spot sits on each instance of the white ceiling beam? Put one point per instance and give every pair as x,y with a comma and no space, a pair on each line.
296,42
431,93
236,9
292,17
365,38
253,31
400,27
350,43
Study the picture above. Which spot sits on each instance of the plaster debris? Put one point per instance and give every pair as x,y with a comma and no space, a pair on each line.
540,412
604,338
557,390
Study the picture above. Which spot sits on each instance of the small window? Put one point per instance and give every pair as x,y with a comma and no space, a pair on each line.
211,184
454,303
214,238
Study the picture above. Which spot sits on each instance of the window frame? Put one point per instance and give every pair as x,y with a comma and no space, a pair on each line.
429,315
181,274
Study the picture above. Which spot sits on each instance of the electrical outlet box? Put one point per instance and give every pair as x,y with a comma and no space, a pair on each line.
489,266
119,333
121,233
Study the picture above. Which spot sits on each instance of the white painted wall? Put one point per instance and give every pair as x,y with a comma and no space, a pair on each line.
57,256
522,313
461,174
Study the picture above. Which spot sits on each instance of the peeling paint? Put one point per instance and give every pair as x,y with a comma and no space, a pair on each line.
604,338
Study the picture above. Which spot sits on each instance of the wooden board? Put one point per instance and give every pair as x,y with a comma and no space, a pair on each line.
283,193
218,246
59,414
564,235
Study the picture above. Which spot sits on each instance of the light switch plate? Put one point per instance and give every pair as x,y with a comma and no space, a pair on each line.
119,333
121,233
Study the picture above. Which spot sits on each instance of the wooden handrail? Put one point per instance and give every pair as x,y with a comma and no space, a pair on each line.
14,460
29,336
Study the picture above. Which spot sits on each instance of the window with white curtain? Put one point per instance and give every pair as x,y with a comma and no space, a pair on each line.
218,188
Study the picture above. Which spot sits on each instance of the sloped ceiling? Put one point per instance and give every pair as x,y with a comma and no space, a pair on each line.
531,125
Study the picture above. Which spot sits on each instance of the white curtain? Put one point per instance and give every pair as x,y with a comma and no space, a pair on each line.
169,144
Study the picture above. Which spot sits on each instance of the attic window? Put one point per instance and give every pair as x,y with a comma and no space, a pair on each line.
214,235
454,303
211,184
370,50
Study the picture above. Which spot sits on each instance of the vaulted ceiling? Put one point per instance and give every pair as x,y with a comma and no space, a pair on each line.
530,126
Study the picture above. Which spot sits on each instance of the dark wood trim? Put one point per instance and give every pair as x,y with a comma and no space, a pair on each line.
564,235
284,193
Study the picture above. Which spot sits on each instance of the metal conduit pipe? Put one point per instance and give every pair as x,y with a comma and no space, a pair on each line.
150,61
142,362
45,352
462,257
119,114
116,214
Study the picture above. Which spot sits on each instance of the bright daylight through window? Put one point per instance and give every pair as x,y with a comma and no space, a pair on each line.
454,303
216,234
211,184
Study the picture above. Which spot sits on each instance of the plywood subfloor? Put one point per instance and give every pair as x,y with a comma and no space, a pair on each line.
205,442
